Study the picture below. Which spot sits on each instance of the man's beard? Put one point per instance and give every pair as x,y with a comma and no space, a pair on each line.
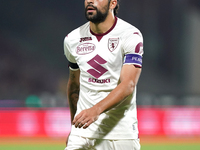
99,17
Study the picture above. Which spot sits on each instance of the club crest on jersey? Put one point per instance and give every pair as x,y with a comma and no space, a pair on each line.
85,48
113,43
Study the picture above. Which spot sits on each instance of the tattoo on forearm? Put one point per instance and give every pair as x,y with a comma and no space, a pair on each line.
73,93
72,76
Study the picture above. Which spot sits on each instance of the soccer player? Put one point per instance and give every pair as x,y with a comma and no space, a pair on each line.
105,60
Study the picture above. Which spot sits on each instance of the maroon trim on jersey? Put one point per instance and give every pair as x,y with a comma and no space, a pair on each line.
137,66
99,36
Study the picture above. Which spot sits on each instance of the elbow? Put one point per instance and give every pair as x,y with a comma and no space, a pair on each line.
130,87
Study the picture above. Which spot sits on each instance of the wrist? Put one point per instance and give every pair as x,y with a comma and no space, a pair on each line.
98,109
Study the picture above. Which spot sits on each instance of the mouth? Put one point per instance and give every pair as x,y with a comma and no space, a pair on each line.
90,9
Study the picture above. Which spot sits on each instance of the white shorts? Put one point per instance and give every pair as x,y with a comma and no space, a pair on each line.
82,143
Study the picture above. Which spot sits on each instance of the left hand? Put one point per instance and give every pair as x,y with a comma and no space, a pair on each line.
85,118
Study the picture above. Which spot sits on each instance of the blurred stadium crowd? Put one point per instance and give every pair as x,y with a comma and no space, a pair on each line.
34,71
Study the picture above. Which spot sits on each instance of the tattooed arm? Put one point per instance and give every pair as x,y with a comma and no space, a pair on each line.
73,91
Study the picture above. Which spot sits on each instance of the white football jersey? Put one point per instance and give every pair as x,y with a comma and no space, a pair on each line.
100,58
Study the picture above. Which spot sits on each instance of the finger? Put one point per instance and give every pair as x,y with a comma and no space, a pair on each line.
74,121
82,123
76,124
76,118
87,124
79,122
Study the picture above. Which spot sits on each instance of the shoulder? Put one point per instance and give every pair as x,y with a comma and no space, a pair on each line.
128,28
77,33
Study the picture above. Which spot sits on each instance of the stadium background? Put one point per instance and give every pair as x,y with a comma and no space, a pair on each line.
34,70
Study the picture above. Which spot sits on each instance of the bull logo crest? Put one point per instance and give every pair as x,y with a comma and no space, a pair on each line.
113,43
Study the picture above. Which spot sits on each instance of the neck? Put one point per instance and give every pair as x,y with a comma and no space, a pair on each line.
103,27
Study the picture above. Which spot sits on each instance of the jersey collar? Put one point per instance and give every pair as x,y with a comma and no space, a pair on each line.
99,36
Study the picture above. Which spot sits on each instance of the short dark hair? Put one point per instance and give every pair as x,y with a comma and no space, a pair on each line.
116,8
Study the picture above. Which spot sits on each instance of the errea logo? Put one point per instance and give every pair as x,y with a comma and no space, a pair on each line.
85,48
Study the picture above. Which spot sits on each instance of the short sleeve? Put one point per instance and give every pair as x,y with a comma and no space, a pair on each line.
67,52
72,62
133,48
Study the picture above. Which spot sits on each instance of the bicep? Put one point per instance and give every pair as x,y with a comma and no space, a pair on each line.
130,74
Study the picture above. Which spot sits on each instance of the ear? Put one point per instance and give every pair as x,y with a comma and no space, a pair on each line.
113,4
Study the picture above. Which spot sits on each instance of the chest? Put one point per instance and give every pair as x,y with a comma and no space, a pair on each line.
91,52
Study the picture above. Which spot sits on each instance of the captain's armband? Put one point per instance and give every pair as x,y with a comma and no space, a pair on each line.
134,59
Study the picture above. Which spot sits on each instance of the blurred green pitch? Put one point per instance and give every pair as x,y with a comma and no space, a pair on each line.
150,143
31,147
61,147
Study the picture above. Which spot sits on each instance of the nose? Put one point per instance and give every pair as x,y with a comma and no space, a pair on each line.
89,1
